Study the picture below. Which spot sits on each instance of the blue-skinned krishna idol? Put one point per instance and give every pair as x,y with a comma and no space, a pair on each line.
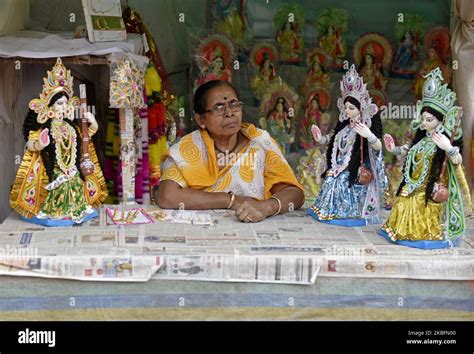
434,196
355,178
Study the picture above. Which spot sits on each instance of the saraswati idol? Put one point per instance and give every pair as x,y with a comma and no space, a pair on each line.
59,181
434,196
355,177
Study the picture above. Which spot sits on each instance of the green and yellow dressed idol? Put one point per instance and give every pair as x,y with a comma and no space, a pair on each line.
433,197
49,188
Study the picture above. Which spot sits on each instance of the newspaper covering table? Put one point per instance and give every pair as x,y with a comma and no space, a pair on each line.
289,248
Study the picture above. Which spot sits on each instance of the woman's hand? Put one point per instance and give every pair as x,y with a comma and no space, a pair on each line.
363,130
251,210
442,141
389,143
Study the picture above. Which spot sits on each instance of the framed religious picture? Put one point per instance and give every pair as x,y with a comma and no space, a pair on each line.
104,20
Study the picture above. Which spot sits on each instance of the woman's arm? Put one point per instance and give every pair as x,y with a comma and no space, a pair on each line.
172,196
285,197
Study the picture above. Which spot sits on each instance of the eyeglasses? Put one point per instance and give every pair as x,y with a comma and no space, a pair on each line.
219,109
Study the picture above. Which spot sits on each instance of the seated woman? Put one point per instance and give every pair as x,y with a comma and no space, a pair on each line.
227,163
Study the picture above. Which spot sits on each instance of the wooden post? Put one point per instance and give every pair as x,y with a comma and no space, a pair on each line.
127,153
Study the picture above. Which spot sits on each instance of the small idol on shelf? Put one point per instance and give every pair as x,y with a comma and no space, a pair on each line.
278,110
290,43
59,181
280,124
355,176
263,58
309,171
438,52
317,74
312,164
230,21
434,196
214,56
331,24
315,113
373,54
410,32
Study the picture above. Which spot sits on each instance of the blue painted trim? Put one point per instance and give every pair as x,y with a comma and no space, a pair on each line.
56,223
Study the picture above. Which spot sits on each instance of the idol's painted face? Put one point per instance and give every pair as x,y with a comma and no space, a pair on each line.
314,104
352,112
431,53
368,59
429,122
218,64
279,107
60,107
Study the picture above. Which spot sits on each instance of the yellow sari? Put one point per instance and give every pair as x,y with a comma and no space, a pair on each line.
260,165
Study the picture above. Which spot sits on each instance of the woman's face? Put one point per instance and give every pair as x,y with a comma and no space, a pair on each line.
227,124
429,121
60,107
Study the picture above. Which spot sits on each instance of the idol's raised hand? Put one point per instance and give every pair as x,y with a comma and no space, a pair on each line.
389,143
442,141
44,140
363,130
316,132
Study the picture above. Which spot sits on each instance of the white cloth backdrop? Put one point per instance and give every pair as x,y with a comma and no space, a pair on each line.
462,46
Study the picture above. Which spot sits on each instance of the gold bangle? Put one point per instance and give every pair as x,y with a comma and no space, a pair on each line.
279,204
232,198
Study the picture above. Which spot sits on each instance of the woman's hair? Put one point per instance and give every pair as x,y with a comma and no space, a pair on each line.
48,154
437,164
354,163
200,97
